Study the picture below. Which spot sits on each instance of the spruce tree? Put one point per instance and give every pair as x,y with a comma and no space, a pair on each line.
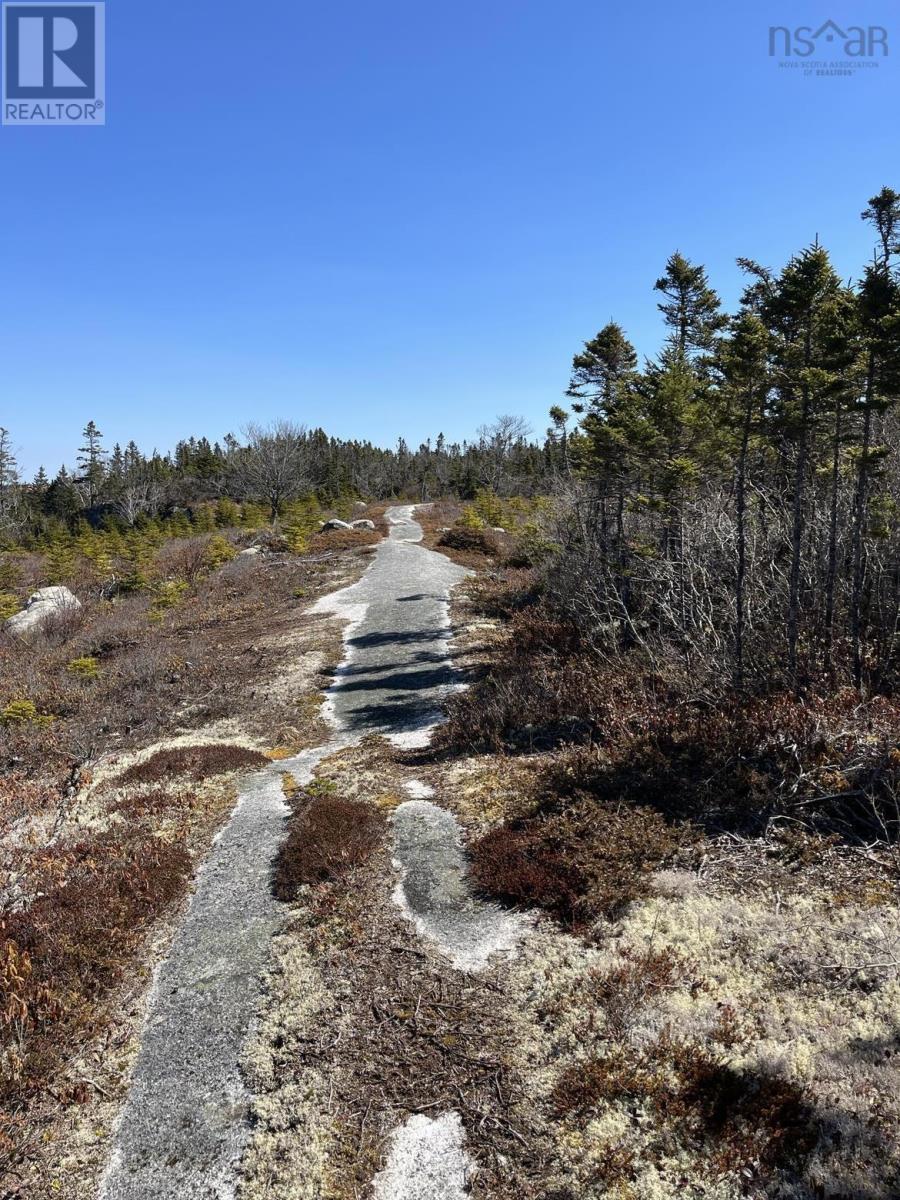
90,460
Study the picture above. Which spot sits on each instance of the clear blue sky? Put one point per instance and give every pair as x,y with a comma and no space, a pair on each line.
404,217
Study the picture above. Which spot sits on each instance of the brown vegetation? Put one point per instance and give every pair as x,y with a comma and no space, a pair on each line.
726,761
193,762
478,542
739,1120
581,861
327,837
92,860
63,953
393,1032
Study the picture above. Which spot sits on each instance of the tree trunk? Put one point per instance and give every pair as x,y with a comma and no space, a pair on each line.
860,507
831,571
741,546
793,621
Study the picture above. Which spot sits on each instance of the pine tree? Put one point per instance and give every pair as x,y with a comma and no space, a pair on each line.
690,307
744,366
799,312
879,304
9,476
91,461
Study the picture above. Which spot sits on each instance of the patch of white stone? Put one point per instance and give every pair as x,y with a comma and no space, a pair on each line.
427,1160
417,790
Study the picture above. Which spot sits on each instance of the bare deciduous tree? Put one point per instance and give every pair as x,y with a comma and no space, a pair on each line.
274,465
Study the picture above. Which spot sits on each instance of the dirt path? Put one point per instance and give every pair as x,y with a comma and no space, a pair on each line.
185,1126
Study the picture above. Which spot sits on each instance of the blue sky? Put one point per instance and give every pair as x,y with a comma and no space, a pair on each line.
404,217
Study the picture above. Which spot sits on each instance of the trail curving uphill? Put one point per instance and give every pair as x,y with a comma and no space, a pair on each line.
184,1126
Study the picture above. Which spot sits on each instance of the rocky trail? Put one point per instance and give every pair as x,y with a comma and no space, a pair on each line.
186,1124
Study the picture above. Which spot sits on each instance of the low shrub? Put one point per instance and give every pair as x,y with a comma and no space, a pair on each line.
61,955
622,992
473,541
152,802
168,594
649,736
327,837
84,668
23,712
342,539
186,559
219,551
9,605
738,1118
193,762
582,862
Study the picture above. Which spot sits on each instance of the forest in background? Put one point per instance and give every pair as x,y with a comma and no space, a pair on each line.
729,507
683,641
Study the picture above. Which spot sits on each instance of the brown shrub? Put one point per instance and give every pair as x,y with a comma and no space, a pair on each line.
184,558
150,803
523,866
193,762
61,626
345,539
61,955
476,541
584,862
653,738
739,1118
623,991
327,837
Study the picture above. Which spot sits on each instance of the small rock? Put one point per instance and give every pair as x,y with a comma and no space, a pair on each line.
363,525
497,529
336,524
44,603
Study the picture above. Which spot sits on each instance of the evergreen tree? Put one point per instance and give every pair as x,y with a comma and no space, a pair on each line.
745,370
91,461
9,476
801,312
879,303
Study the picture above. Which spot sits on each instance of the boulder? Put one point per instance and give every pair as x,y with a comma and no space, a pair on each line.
336,524
363,525
44,603
359,505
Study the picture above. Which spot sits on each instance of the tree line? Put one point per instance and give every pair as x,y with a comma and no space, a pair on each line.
270,465
735,499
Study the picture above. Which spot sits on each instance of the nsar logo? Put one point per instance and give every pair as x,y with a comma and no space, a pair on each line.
54,68
857,41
